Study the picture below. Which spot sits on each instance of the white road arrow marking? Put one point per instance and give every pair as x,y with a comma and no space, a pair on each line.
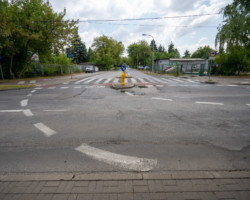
127,162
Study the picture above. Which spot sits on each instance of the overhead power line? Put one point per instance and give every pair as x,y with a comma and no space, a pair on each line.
149,18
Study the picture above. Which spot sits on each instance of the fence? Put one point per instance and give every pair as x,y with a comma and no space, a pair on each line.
38,69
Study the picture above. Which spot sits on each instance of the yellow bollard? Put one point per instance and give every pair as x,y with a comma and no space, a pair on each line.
123,78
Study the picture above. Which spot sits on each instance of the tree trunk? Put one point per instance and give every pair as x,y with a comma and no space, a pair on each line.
12,75
25,67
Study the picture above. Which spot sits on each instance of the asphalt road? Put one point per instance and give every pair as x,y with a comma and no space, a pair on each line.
163,123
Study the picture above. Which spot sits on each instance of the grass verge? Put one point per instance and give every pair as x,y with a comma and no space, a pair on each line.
9,87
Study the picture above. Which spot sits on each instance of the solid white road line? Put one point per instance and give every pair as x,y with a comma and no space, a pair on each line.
64,87
38,88
232,85
248,104
162,99
51,88
45,129
28,113
127,162
24,102
77,87
209,103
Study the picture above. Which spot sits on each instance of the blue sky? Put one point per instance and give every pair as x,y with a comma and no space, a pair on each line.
164,31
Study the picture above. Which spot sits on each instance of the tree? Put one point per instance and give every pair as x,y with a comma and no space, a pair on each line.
187,54
233,37
153,43
28,27
202,52
173,52
140,51
107,52
161,49
79,51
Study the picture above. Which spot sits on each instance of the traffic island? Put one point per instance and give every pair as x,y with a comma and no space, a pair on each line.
120,86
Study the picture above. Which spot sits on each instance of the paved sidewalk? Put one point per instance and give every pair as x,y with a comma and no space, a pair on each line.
181,185
234,80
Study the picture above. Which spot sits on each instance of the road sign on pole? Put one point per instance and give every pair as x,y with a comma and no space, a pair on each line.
212,55
123,68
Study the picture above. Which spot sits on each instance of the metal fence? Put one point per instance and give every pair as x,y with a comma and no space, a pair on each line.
38,69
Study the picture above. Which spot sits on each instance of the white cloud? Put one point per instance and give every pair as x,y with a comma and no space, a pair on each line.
183,37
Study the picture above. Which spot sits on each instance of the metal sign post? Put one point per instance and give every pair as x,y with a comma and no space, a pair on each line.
212,57
68,51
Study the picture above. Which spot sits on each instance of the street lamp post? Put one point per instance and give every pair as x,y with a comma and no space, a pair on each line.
153,50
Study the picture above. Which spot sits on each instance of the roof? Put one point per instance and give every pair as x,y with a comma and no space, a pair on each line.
182,59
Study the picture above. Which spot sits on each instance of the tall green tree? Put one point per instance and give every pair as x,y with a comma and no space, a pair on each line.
79,51
202,52
153,44
28,27
172,51
233,36
107,52
187,54
141,52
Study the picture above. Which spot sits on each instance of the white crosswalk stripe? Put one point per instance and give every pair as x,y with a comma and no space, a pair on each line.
107,80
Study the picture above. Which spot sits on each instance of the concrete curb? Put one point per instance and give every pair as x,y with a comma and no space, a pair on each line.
119,86
174,175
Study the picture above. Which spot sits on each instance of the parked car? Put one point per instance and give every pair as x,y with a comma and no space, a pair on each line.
140,67
89,69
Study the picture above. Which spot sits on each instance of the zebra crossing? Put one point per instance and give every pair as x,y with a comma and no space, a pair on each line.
137,81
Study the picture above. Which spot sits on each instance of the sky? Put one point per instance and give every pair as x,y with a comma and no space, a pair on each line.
187,33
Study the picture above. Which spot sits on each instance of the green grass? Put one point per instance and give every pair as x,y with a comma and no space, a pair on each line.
8,87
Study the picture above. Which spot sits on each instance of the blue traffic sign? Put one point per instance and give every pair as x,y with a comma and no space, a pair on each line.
68,55
123,68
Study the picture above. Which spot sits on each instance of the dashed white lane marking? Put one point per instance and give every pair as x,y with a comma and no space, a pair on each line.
64,87
32,82
33,91
38,88
51,88
65,83
45,129
62,110
77,87
107,81
232,85
162,99
116,80
127,162
209,103
159,85
88,81
21,82
29,95
248,104
28,113
10,111
24,102
133,80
